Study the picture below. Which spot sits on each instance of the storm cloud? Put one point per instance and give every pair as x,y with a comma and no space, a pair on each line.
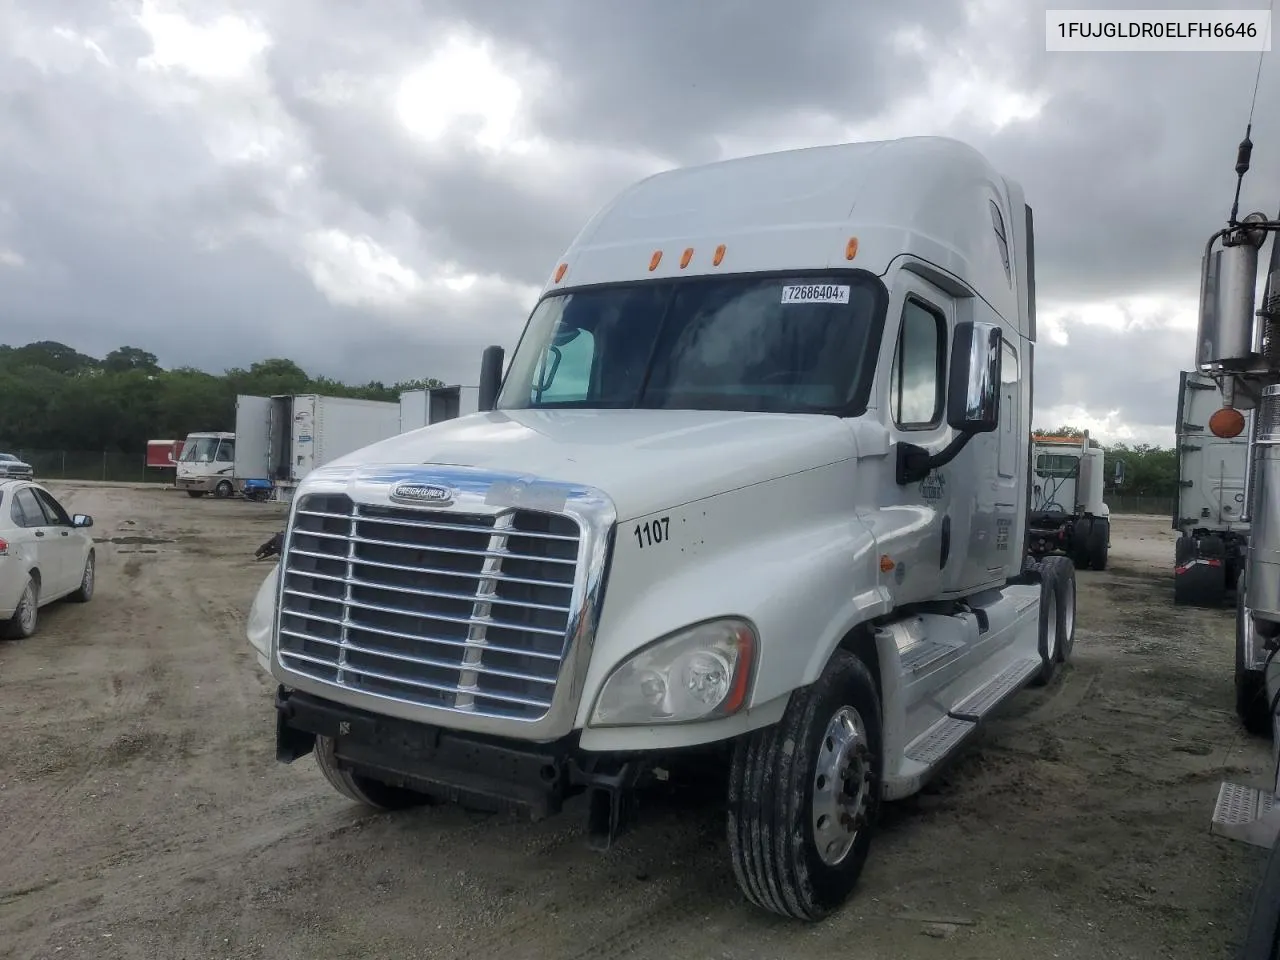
377,191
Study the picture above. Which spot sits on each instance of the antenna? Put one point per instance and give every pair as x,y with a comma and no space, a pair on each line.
1244,152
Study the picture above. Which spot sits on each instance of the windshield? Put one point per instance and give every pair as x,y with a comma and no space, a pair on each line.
8,457
798,344
1057,465
199,450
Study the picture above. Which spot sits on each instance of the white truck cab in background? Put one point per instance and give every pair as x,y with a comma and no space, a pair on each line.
207,464
1068,512
754,490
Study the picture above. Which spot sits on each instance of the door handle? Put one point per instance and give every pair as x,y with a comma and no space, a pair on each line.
66,533
39,533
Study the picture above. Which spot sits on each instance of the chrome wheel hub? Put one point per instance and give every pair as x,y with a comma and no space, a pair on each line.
28,615
841,786
1051,626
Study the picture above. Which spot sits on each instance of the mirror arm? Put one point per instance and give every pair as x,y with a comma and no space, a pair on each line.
915,462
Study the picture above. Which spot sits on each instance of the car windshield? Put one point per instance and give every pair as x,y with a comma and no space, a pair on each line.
199,450
797,344
8,457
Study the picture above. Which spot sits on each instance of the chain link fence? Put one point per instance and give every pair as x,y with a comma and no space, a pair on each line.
92,465
1141,504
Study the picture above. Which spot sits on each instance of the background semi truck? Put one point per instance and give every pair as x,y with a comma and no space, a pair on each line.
420,408
1209,512
1068,514
751,496
283,438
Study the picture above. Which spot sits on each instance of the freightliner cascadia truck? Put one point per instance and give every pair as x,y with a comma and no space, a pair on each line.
753,490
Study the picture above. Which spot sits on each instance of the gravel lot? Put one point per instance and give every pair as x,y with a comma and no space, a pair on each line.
143,813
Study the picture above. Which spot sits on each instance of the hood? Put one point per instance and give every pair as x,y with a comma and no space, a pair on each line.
645,460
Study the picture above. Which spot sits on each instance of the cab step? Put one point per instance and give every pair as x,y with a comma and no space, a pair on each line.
996,690
939,740
1245,813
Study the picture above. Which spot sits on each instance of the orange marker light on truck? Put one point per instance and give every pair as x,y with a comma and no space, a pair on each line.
851,248
560,272
686,257
655,260
715,261
1226,423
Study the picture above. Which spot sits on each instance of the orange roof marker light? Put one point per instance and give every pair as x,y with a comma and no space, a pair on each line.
851,248
686,257
655,260
886,563
1226,423
715,261
560,272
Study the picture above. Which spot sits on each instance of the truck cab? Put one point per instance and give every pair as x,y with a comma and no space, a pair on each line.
207,464
1068,513
751,495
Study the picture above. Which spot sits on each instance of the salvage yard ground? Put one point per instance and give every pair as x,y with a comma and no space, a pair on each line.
143,814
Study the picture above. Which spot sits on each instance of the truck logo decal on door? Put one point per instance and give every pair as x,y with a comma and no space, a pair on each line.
408,491
933,486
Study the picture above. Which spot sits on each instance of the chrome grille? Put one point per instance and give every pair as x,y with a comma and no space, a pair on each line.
466,612
1268,414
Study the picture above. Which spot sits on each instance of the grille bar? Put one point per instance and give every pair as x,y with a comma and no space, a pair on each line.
465,612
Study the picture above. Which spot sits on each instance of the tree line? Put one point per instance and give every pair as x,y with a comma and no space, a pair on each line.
52,397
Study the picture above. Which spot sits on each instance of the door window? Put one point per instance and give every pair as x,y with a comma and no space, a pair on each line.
26,510
53,511
918,376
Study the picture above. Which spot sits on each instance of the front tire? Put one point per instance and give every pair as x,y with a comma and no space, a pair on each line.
1099,543
804,795
223,489
361,789
1057,616
1252,706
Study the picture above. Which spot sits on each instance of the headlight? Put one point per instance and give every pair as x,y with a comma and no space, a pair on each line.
698,673
262,613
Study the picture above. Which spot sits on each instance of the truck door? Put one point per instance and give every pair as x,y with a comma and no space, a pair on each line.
253,438
919,530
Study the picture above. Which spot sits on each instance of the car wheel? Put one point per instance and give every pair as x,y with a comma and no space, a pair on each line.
223,489
24,620
84,593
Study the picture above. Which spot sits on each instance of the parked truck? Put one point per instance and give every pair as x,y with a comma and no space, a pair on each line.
1209,512
751,496
284,438
1238,346
1068,513
207,464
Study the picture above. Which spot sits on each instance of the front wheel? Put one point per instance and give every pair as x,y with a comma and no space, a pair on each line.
804,795
1099,543
84,592
223,490
361,789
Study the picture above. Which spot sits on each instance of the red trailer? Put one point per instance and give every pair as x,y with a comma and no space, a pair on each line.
163,454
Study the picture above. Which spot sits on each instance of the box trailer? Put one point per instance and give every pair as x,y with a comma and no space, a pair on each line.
163,454
420,408
283,438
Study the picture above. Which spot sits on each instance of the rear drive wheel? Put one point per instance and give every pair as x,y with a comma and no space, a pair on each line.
84,592
361,789
1251,685
1099,543
804,795
25,619
223,490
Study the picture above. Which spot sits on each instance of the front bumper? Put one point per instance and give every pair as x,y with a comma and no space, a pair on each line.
195,483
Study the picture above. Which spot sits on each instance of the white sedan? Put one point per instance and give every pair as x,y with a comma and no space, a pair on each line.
45,555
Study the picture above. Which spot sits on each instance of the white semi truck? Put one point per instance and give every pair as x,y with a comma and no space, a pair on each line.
754,489
421,408
284,438
1068,513
1209,512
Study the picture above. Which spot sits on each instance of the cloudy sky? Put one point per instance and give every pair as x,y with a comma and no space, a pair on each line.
377,190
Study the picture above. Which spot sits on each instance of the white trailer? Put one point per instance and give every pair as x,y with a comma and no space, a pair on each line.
283,438
1209,512
751,496
420,408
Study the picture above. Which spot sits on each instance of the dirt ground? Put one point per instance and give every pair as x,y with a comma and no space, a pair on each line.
143,814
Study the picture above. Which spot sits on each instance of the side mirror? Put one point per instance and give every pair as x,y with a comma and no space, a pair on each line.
490,377
82,520
973,393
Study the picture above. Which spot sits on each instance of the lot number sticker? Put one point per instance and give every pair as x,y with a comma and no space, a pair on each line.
816,293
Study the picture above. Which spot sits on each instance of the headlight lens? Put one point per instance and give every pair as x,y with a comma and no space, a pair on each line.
262,613
699,673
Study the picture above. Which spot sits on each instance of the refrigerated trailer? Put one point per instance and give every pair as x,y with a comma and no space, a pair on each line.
1209,510
283,438
420,408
